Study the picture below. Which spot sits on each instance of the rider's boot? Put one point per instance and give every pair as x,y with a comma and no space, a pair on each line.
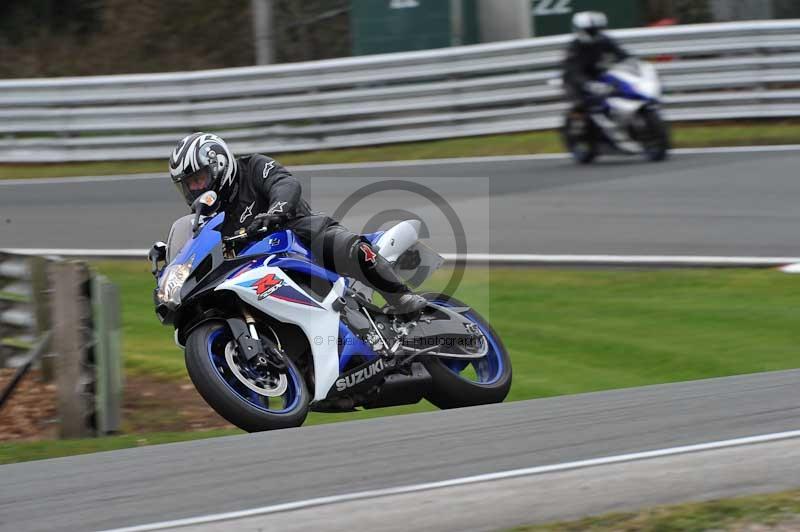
378,273
408,303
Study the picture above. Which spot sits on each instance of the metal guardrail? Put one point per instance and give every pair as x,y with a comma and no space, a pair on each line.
64,317
18,316
709,71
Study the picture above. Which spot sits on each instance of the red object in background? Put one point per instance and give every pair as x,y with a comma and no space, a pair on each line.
664,22
660,23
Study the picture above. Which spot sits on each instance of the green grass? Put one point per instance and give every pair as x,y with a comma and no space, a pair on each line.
568,331
725,514
571,331
684,135
39,450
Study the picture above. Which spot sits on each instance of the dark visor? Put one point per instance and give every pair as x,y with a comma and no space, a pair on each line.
193,185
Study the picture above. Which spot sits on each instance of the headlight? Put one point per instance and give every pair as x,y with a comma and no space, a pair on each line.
169,289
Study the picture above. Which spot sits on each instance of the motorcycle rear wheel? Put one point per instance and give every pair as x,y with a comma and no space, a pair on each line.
656,142
459,383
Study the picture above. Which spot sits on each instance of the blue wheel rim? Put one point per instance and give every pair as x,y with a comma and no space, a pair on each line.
215,348
489,368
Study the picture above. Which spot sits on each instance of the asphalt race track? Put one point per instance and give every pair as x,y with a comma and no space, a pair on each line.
160,483
740,203
710,203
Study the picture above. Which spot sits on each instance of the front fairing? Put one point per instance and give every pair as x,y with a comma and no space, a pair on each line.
201,265
635,80
196,249
272,287
182,275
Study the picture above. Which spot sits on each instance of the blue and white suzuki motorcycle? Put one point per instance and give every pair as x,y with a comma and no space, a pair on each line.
627,118
268,334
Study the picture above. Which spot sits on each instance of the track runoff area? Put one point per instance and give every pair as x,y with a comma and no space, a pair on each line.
662,174
603,467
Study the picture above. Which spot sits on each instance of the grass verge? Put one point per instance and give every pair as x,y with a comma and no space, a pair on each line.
761,512
568,331
684,135
39,450
571,331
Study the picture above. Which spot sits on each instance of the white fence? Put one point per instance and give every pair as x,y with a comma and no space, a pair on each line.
709,71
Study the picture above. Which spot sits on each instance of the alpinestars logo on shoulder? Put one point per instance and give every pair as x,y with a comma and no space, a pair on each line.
267,169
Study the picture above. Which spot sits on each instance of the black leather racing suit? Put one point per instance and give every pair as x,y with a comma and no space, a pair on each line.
586,62
264,186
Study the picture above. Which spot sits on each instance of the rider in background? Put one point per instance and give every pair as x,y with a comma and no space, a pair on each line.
588,56
256,191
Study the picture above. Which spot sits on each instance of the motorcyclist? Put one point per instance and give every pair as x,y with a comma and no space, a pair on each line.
256,191
588,56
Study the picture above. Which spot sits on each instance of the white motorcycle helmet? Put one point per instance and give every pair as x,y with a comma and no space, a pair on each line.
203,162
588,26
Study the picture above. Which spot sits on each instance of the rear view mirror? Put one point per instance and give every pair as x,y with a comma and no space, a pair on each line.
206,203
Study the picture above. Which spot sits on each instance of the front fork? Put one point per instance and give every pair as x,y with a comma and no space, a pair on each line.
251,348
246,338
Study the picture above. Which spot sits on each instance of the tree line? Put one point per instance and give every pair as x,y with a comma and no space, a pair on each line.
89,37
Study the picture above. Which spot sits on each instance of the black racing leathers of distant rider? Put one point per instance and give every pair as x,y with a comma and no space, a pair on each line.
586,61
267,191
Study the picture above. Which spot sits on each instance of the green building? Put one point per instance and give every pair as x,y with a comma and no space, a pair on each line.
382,26
551,17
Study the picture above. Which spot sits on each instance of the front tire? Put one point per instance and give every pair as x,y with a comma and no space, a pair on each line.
579,138
226,389
460,383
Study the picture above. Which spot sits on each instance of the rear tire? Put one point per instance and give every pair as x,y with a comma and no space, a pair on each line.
236,403
451,389
656,144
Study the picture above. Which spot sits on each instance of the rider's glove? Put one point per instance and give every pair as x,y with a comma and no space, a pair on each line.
598,88
269,221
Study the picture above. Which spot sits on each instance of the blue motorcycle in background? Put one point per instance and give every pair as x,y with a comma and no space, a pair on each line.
268,334
626,117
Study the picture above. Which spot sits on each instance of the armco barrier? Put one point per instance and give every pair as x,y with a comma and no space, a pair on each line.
18,325
716,71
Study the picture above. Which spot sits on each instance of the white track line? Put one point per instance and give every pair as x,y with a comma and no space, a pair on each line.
490,258
539,470
411,162
80,179
738,149
629,260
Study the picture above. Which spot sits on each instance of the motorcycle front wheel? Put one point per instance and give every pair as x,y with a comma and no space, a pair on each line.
254,399
457,382
579,138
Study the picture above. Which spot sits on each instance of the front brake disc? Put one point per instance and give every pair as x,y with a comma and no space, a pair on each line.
276,389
